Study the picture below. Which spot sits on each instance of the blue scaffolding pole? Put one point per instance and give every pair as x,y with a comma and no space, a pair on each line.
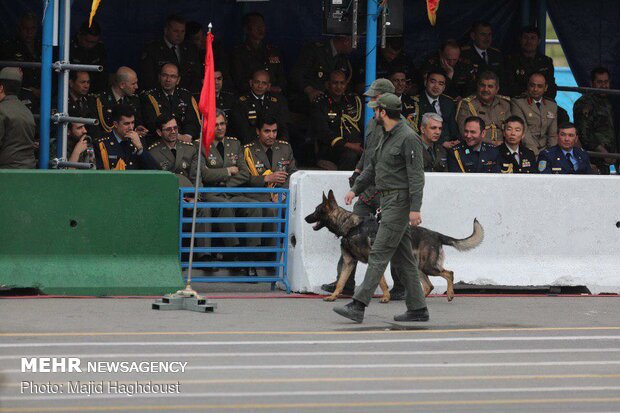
46,82
371,50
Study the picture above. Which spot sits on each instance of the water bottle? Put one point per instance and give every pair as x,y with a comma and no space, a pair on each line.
612,169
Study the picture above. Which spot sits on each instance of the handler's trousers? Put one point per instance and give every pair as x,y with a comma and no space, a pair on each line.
393,243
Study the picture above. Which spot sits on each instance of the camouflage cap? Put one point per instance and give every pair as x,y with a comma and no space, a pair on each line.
378,87
11,73
387,101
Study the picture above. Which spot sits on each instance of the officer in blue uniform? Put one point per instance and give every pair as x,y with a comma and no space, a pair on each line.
123,148
473,155
565,157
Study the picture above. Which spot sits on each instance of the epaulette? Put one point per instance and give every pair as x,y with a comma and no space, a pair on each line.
93,95
155,145
283,142
416,98
187,143
521,96
495,49
231,138
247,145
182,89
242,98
506,98
103,138
148,92
449,97
274,99
469,98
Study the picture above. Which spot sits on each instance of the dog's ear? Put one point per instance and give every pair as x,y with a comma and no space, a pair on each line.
324,198
332,199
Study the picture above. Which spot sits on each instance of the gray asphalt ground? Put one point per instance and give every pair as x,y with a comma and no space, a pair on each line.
263,352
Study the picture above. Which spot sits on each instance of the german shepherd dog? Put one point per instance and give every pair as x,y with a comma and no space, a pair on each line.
358,233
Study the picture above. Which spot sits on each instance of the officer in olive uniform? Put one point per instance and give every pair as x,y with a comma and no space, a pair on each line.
594,118
255,55
258,102
434,154
461,76
397,170
224,99
87,49
123,148
17,127
514,157
26,47
473,155
488,105
541,117
337,121
171,49
122,92
316,61
520,66
169,99
79,86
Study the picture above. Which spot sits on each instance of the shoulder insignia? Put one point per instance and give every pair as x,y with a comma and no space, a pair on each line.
449,97
242,98
154,145
274,99
248,145
283,142
231,138
507,98
469,98
187,143
495,49
416,98
182,89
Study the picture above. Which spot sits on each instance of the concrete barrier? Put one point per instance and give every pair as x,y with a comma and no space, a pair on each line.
90,232
539,229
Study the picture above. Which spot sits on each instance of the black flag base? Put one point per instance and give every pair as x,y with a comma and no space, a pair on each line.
186,299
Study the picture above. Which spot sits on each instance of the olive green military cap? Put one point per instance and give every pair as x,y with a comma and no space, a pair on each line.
387,101
11,73
378,87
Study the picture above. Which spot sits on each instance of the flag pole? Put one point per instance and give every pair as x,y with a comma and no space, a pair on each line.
188,286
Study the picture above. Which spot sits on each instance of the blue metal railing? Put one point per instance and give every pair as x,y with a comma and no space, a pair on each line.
280,208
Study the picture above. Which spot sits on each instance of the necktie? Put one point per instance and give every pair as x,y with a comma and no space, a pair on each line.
174,152
431,153
570,160
436,106
484,57
538,105
516,156
220,149
176,54
269,153
169,99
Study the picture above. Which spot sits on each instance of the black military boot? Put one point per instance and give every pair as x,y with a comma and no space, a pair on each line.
421,314
353,311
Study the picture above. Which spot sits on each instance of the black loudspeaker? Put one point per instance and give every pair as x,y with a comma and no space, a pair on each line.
338,17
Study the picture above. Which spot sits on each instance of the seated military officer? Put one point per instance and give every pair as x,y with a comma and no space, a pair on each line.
473,155
122,91
337,125
172,49
122,148
224,99
79,86
169,99
565,157
488,105
539,113
256,103
434,154
479,53
398,77
513,156
432,99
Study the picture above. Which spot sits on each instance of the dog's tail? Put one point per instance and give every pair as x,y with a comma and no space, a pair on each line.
468,243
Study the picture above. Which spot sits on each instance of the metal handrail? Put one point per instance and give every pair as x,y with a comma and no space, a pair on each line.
580,89
593,154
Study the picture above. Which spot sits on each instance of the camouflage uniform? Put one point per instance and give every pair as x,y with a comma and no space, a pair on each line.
593,116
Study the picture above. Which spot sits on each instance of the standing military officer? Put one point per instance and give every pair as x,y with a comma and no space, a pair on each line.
520,66
255,55
88,49
121,92
565,157
398,77
316,61
172,49
461,75
337,122
539,113
259,102
488,105
433,100
17,127
479,53
123,148
513,156
172,100
594,117
473,155
434,154
397,169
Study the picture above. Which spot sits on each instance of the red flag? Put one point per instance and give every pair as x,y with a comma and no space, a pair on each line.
431,8
207,98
